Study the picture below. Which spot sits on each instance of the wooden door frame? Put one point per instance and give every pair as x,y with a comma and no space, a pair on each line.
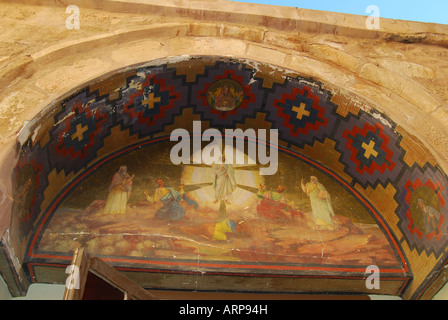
83,263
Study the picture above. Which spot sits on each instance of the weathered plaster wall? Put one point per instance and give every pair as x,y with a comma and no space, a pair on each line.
400,70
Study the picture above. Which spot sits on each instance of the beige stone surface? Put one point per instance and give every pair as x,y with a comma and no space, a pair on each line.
400,70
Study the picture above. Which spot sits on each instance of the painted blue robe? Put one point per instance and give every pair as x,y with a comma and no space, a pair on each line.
172,208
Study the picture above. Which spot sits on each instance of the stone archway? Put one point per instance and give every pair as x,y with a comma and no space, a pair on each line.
363,89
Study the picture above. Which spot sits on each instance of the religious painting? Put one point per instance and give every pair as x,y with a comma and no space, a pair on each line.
141,205
425,212
225,95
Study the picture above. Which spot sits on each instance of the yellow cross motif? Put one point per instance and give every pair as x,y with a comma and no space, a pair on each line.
79,132
369,149
151,100
301,111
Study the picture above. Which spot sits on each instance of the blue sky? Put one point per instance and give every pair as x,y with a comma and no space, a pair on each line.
422,10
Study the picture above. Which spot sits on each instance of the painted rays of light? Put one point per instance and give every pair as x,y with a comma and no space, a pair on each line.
246,176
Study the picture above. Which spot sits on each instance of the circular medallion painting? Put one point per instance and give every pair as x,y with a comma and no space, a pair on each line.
225,95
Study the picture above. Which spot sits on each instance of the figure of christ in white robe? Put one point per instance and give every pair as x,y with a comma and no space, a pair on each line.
225,182
119,192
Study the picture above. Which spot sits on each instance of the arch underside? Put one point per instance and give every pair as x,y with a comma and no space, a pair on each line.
369,169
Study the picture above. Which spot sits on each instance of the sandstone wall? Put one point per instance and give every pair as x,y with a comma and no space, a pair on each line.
400,70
